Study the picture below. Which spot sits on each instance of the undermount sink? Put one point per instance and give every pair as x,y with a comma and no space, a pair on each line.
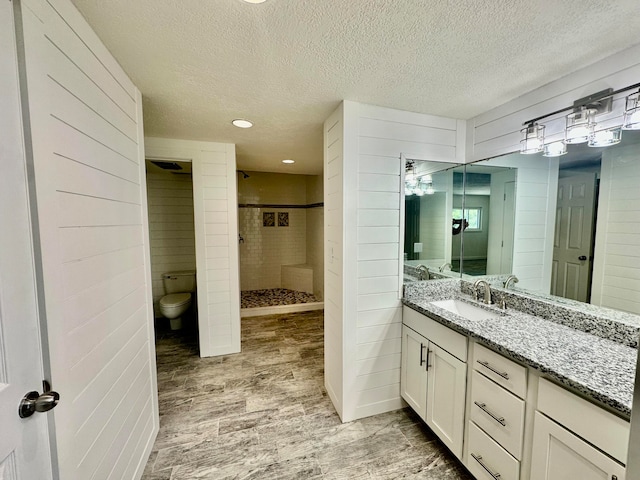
464,309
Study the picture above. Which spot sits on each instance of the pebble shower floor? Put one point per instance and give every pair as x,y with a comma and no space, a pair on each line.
274,296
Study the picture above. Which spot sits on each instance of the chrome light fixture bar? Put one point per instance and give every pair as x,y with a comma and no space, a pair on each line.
580,123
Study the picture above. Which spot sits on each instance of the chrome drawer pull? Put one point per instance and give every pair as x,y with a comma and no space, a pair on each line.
478,458
483,407
485,364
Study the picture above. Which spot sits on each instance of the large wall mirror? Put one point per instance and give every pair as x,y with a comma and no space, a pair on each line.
566,226
431,191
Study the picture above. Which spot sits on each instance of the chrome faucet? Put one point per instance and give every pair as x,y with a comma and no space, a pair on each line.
443,266
510,280
423,272
487,290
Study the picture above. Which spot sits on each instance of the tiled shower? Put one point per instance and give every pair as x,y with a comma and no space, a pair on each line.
281,229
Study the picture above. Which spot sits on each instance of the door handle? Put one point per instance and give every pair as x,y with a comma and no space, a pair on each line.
582,258
35,402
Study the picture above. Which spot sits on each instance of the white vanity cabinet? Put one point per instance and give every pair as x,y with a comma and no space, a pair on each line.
573,438
433,376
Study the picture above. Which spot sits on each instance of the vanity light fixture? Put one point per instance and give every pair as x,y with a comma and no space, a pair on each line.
532,139
581,122
606,137
555,149
632,112
288,161
242,123
580,125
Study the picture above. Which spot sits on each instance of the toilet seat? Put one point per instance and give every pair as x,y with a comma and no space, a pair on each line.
175,299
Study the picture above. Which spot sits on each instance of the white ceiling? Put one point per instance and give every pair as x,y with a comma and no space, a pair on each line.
286,64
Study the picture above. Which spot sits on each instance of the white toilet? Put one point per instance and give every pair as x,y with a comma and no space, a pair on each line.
179,288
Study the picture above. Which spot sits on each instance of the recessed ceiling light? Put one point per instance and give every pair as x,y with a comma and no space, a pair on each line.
254,1
288,161
241,123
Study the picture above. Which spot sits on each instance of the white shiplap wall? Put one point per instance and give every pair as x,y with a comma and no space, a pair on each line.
171,228
215,200
370,317
88,159
333,241
617,285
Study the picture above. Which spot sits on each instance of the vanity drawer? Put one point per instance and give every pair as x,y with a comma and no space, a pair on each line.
501,370
498,412
487,460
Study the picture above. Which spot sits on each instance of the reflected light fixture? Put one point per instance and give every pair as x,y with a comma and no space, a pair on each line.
242,123
580,125
606,137
632,112
288,161
532,139
555,149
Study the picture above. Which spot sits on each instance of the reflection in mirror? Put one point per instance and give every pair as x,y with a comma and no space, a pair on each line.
488,207
576,228
429,192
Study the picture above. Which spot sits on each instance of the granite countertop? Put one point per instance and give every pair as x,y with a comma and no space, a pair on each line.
599,368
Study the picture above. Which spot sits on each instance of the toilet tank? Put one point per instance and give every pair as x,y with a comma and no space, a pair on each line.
179,282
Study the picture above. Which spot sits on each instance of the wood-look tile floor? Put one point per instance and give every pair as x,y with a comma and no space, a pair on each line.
264,414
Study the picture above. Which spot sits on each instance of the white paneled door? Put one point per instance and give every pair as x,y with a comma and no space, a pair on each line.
573,241
24,445
85,121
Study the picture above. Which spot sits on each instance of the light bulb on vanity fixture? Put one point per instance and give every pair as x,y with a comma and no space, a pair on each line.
606,137
555,149
632,112
532,139
580,125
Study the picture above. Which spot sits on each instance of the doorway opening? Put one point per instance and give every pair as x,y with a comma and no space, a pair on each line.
281,243
173,249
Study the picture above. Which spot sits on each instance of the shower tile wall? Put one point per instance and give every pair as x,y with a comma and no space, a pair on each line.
265,249
171,227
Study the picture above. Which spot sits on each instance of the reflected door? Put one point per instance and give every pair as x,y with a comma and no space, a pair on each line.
573,241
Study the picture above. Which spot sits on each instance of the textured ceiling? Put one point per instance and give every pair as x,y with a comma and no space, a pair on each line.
286,64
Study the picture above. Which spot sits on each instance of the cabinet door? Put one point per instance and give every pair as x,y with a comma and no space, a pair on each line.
413,379
559,455
447,379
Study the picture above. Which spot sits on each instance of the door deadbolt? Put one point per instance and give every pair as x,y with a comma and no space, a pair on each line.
35,402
